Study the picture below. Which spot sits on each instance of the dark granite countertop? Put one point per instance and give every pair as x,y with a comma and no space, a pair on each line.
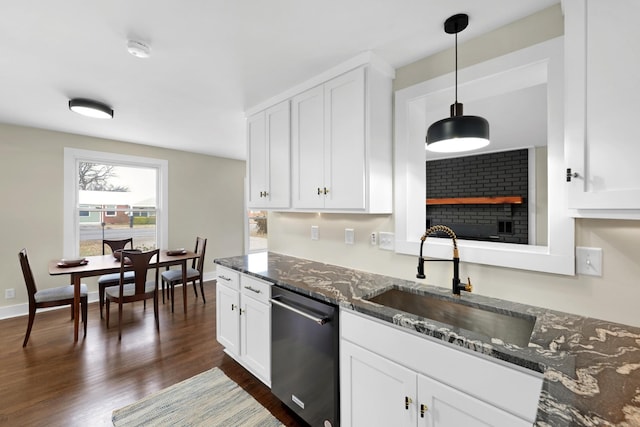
591,367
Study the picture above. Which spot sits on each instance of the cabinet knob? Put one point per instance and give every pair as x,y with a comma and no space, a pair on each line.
423,408
407,401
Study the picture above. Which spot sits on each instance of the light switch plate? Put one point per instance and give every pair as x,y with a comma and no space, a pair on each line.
349,236
589,261
387,240
314,232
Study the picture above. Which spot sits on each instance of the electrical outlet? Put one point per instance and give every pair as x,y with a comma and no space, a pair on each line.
9,293
589,261
315,232
349,236
386,240
373,238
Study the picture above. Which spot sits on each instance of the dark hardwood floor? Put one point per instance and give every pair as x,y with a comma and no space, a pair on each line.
54,382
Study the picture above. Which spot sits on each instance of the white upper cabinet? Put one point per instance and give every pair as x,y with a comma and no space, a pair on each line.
268,139
329,144
341,144
603,94
326,144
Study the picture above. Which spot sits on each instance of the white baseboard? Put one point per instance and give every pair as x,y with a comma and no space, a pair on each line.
23,309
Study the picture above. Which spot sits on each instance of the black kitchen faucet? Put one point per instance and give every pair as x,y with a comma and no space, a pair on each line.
456,285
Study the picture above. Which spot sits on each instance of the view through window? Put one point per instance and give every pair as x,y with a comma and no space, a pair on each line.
116,202
257,231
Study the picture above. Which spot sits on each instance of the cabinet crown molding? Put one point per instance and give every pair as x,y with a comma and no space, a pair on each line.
367,58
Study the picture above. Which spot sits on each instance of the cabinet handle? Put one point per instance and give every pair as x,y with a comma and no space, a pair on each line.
407,402
326,191
571,175
319,191
263,194
233,307
423,408
257,291
242,311
224,278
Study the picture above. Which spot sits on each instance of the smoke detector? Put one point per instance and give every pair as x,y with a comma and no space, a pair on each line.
138,49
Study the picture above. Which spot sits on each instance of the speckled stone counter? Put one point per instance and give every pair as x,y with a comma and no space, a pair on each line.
591,367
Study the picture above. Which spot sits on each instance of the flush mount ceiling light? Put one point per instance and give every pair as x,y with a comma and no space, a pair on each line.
458,132
90,108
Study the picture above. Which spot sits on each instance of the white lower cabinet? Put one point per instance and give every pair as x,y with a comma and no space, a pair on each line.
389,377
243,320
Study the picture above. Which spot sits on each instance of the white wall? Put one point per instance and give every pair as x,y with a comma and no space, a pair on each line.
614,296
205,199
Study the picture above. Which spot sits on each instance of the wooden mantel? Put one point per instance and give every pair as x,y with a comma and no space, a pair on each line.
497,200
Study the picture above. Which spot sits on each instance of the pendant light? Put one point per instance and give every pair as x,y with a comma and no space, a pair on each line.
90,108
458,132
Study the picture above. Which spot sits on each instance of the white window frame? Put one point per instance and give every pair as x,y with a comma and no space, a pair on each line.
73,156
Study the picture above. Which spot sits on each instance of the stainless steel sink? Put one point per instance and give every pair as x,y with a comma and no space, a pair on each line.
510,329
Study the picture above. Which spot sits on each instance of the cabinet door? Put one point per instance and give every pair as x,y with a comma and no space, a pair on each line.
307,149
278,171
373,390
442,406
268,149
344,175
603,93
255,320
257,160
228,318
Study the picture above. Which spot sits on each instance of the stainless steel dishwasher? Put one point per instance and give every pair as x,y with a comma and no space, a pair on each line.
304,356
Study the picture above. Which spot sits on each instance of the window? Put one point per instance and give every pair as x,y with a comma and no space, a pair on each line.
257,221
111,196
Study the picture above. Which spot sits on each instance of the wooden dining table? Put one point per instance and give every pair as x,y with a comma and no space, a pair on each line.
105,264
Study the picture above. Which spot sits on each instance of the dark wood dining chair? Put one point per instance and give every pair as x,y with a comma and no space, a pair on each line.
51,297
113,279
141,289
173,277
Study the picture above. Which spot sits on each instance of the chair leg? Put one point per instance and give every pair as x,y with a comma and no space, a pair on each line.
194,288
172,285
162,291
32,316
85,303
101,299
155,310
204,301
120,320
72,312
107,307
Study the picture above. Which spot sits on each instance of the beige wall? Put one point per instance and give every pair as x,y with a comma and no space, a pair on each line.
205,198
614,296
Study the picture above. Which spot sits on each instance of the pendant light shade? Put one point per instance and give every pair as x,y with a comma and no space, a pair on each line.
90,108
458,132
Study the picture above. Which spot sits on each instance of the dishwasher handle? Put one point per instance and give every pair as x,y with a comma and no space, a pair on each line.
318,320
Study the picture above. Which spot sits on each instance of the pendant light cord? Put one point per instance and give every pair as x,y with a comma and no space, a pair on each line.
456,64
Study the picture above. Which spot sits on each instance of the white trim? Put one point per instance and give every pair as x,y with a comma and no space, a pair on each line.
518,68
70,220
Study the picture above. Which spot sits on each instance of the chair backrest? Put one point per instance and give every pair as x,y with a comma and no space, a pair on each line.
138,262
201,247
114,245
28,276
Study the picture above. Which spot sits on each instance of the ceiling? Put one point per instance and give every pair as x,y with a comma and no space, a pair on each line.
210,61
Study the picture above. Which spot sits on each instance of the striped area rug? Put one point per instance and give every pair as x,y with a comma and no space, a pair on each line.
207,399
